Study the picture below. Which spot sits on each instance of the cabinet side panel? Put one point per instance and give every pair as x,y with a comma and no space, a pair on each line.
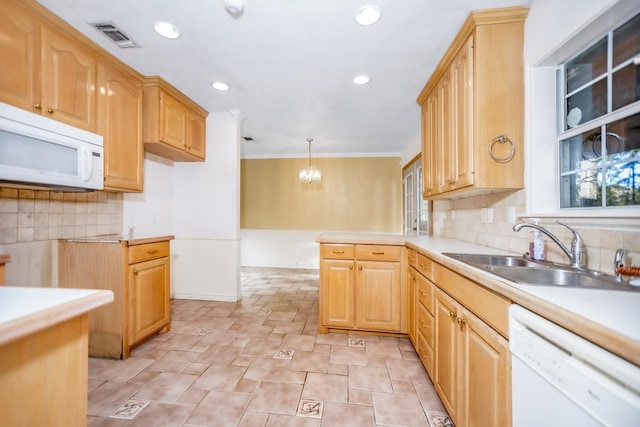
97,266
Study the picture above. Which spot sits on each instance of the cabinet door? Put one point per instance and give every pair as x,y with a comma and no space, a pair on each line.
447,355
120,123
429,140
487,380
148,298
68,81
445,134
173,121
196,133
20,57
462,143
378,296
337,293
411,326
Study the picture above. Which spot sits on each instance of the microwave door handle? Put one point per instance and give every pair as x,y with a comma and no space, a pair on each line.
85,164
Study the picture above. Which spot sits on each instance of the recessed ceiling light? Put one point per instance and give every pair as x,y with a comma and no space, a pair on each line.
220,86
368,15
166,29
361,80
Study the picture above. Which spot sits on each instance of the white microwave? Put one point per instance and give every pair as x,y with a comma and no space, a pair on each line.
41,153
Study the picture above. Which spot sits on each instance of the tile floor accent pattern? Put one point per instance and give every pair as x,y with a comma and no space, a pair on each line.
261,362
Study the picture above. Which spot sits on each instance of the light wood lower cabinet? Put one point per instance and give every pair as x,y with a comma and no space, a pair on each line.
138,275
472,365
363,287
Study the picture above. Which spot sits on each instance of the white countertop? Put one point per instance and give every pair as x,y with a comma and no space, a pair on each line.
24,311
595,311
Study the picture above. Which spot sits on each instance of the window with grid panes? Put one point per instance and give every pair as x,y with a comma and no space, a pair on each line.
599,135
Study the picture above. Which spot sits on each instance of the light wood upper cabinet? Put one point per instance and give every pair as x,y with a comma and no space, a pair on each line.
68,81
20,53
45,70
473,109
174,126
119,109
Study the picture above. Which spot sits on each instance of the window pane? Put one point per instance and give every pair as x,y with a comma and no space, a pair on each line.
588,104
623,184
580,152
626,41
623,139
581,189
586,66
626,86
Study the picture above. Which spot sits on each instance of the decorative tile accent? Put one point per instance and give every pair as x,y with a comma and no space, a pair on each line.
310,408
284,354
356,342
129,409
265,311
201,331
439,419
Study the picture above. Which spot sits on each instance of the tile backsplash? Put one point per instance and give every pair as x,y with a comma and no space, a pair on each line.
487,220
35,215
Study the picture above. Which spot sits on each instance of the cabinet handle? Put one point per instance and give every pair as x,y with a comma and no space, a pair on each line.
152,251
50,110
452,314
423,293
37,106
423,266
377,253
351,267
462,321
337,252
422,325
359,267
135,272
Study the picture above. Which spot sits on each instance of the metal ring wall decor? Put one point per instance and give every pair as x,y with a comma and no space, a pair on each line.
502,139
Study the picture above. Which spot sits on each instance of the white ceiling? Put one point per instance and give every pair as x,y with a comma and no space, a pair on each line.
290,64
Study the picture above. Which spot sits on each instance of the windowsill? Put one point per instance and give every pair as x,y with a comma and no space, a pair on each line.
625,218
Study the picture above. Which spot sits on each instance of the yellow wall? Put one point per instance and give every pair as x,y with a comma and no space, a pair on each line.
355,194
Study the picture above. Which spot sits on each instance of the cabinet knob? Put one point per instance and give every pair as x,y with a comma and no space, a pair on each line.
452,314
135,272
359,267
423,293
462,321
351,267
37,106
50,110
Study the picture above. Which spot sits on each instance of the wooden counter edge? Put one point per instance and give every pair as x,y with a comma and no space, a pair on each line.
21,327
145,240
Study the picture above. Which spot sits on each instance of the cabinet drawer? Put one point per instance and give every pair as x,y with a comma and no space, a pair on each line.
148,251
425,293
378,252
425,352
412,257
337,251
425,324
425,266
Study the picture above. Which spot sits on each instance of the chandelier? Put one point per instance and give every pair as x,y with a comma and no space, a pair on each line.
309,174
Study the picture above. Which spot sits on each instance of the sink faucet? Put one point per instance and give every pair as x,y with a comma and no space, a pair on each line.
578,253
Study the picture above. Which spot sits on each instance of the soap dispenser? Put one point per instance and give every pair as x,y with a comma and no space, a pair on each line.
537,246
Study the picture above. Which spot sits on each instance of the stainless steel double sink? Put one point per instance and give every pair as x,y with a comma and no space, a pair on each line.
542,273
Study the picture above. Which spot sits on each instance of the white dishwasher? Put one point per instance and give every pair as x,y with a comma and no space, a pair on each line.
560,379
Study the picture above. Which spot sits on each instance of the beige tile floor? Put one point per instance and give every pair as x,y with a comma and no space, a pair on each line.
261,362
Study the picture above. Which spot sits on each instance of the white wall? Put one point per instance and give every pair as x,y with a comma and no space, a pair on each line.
199,204
280,248
207,217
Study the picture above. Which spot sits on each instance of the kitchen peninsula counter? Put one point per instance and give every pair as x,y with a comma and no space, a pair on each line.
610,319
43,354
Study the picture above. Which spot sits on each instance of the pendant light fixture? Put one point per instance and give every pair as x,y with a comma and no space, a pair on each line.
309,174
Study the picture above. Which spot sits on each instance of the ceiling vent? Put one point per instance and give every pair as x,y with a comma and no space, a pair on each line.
114,33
